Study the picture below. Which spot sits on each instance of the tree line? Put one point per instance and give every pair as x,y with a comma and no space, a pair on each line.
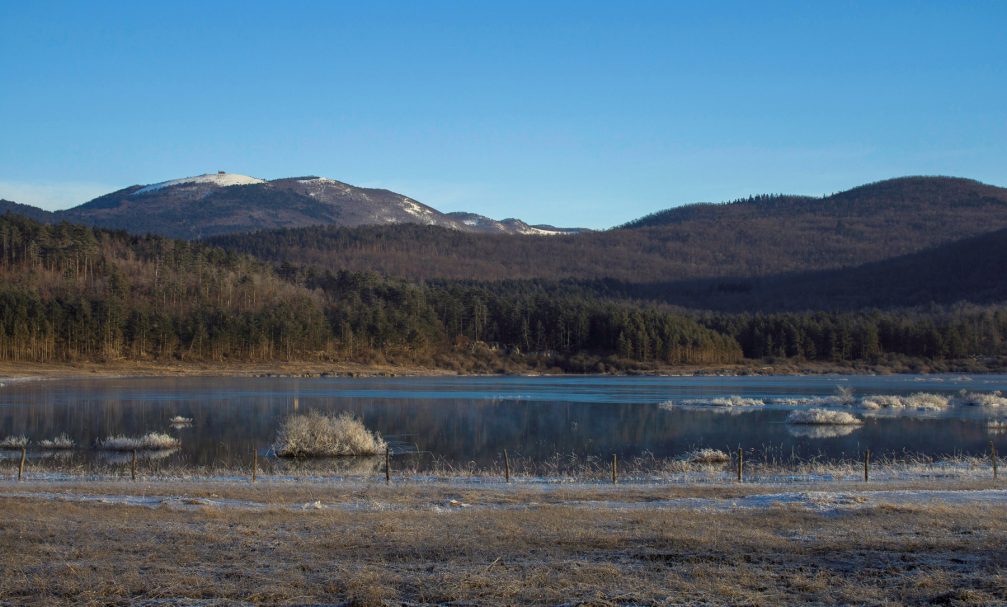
70,292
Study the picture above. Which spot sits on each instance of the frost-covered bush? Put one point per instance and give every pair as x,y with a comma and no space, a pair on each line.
178,420
922,401
705,456
317,435
60,442
151,441
823,417
14,442
723,401
982,399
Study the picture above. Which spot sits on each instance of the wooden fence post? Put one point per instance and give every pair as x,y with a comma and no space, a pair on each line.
388,464
132,466
255,462
506,466
867,464
741,465
615,468
20,466
993,456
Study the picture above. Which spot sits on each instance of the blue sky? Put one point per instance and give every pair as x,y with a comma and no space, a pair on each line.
572,113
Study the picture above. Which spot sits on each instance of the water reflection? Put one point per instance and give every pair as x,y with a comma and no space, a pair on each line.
473,419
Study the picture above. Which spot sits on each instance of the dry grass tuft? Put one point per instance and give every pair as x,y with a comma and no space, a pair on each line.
920,401
14,442
317,435
152,441
706,456
983,399
60,442
823,417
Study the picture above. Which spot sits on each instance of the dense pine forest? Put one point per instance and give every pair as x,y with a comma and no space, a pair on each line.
75,293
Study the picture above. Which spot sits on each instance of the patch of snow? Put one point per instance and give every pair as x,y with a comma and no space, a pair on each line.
217,179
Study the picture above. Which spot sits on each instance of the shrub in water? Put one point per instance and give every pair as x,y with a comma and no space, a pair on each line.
317,435
14,442
706,456
150,441
60,442
823,417
919,401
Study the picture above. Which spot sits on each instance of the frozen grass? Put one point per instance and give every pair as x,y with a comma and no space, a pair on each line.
152,441
722,401
60,442
706,456
317,435
983,399
920,401
14,442
409,547
823,417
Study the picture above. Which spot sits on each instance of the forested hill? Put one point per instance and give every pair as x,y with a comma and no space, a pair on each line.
70,292
889,201
751,238
973,270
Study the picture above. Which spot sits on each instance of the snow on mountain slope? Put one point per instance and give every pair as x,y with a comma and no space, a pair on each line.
220,179
208,205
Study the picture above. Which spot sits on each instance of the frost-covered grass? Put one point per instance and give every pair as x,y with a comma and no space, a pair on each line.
14,442
920,401
721,401
179,420
515,545
60,442
982,399
706,456
823,417
317,435
152,441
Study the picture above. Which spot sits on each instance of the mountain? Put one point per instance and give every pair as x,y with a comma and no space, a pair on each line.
9,206
227,203
757,237
972,269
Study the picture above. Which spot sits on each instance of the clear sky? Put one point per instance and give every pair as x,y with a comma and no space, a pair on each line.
572,113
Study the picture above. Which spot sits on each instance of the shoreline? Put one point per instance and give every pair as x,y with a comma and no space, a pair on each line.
10,371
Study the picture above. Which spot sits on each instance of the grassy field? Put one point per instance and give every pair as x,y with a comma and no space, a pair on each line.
362,543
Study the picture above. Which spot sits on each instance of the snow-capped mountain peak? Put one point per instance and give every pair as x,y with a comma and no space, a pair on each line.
219,179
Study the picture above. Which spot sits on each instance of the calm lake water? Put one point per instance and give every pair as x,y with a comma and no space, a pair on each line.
474,419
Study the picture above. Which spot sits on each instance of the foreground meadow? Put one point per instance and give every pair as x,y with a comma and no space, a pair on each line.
448,542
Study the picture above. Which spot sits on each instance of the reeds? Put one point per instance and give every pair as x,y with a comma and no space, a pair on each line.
318,435
705,456
152,441
61,442
14,442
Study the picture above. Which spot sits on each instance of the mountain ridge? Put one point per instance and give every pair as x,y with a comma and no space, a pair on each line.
224,203
750,239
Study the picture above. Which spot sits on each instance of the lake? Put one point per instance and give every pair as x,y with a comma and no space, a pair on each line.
473,419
